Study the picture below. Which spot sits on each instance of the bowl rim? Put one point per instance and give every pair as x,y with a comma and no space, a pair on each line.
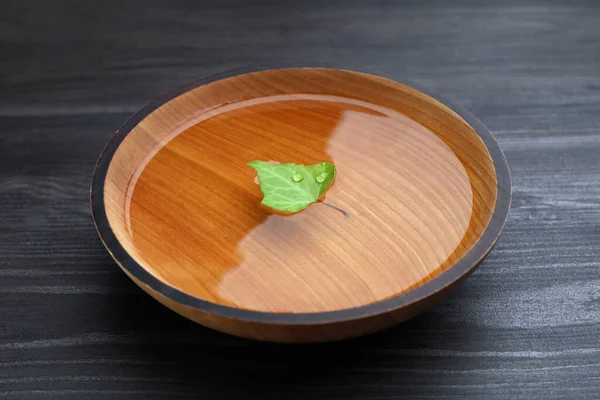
451,275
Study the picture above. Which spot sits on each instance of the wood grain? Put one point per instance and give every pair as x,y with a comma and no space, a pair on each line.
524,326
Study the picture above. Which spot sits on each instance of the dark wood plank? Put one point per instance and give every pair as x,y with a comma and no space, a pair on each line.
524,326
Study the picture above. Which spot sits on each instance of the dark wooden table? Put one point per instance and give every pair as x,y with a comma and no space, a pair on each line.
526,325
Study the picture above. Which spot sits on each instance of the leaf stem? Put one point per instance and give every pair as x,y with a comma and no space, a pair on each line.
336,208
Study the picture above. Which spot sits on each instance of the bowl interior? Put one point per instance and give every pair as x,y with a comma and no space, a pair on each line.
416,181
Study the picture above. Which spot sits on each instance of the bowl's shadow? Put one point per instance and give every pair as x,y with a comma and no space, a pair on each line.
191,360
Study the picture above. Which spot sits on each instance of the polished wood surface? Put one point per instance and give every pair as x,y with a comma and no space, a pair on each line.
295,334
416,180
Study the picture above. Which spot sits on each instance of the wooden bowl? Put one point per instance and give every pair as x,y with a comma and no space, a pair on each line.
425,188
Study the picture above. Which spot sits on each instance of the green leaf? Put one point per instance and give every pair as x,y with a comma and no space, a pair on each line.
293,187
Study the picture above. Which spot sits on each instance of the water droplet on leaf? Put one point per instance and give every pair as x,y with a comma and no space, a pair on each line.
298,177
321,177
